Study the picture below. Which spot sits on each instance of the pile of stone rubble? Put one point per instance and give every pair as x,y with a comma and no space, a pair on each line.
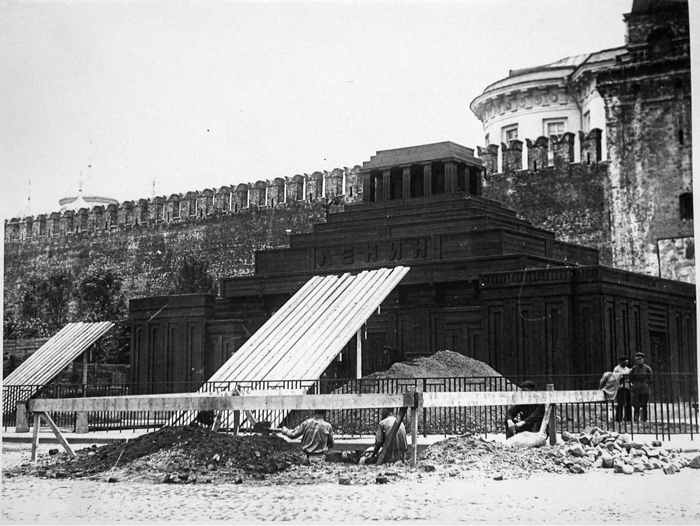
471,455
610,450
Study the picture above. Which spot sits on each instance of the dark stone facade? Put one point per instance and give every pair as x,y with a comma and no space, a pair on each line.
648,113
483,282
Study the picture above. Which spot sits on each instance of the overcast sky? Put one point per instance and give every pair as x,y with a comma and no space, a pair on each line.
204,94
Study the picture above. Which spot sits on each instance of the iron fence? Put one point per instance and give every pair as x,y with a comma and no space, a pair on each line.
672,407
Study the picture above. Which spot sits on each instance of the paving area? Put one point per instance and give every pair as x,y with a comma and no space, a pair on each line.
548,498
649,497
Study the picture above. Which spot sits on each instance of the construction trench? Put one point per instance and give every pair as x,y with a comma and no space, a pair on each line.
196,454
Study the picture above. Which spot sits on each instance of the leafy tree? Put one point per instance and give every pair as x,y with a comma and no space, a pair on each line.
193,276
43,305
99,297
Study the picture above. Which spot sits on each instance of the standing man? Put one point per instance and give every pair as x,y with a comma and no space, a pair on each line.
527,417
640,378
316,436
400,446
623,401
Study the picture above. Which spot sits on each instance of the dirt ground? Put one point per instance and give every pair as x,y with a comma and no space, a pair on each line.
593,497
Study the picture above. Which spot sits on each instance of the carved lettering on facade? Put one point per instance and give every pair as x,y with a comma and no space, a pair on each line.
421,248
323,257
372,252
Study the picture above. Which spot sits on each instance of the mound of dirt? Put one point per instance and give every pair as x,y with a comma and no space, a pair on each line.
479,457
444,363
451,371
177,454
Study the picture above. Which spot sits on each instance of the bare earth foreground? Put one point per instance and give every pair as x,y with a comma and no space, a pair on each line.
546,497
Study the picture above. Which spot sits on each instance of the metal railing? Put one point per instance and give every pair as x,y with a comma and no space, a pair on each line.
672,407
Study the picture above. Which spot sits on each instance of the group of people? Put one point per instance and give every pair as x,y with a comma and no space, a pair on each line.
317,437
629,387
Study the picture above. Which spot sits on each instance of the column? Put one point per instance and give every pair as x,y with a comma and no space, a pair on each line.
386,185
450,177
427,180
406,182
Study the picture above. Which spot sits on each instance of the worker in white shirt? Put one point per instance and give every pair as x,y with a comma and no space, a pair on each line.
623,400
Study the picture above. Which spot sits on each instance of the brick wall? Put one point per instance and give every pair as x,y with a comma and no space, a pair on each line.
147,258
571,202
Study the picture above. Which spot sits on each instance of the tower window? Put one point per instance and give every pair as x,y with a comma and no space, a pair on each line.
553,127
685,202
509,133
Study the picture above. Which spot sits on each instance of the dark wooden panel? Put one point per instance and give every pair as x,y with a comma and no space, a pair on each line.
413,338
458,330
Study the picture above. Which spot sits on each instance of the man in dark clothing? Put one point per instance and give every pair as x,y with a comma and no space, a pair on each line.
640,378
524,417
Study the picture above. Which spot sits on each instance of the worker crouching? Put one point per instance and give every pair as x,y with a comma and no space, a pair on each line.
524,417
397,450
316,436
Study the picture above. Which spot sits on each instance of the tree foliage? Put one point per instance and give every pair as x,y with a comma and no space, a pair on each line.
47,303
193,276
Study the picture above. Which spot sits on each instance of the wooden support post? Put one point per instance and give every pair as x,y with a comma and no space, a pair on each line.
35,435
414,436
85,373
58,433
552,420
388,445
81,422
21,421
359,354
236,422
545,418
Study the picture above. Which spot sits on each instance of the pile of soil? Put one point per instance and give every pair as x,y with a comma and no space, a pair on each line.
444,363
476,456
454,367
176,454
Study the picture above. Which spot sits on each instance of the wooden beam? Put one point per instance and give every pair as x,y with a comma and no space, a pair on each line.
358,351
35,435
552,420
492,398
388,445
58,434
217,402
414,436
288,402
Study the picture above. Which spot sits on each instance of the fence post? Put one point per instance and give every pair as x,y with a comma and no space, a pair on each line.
552,420
422,389
21,421
81,422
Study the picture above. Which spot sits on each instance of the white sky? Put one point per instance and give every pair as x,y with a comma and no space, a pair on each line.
205,94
